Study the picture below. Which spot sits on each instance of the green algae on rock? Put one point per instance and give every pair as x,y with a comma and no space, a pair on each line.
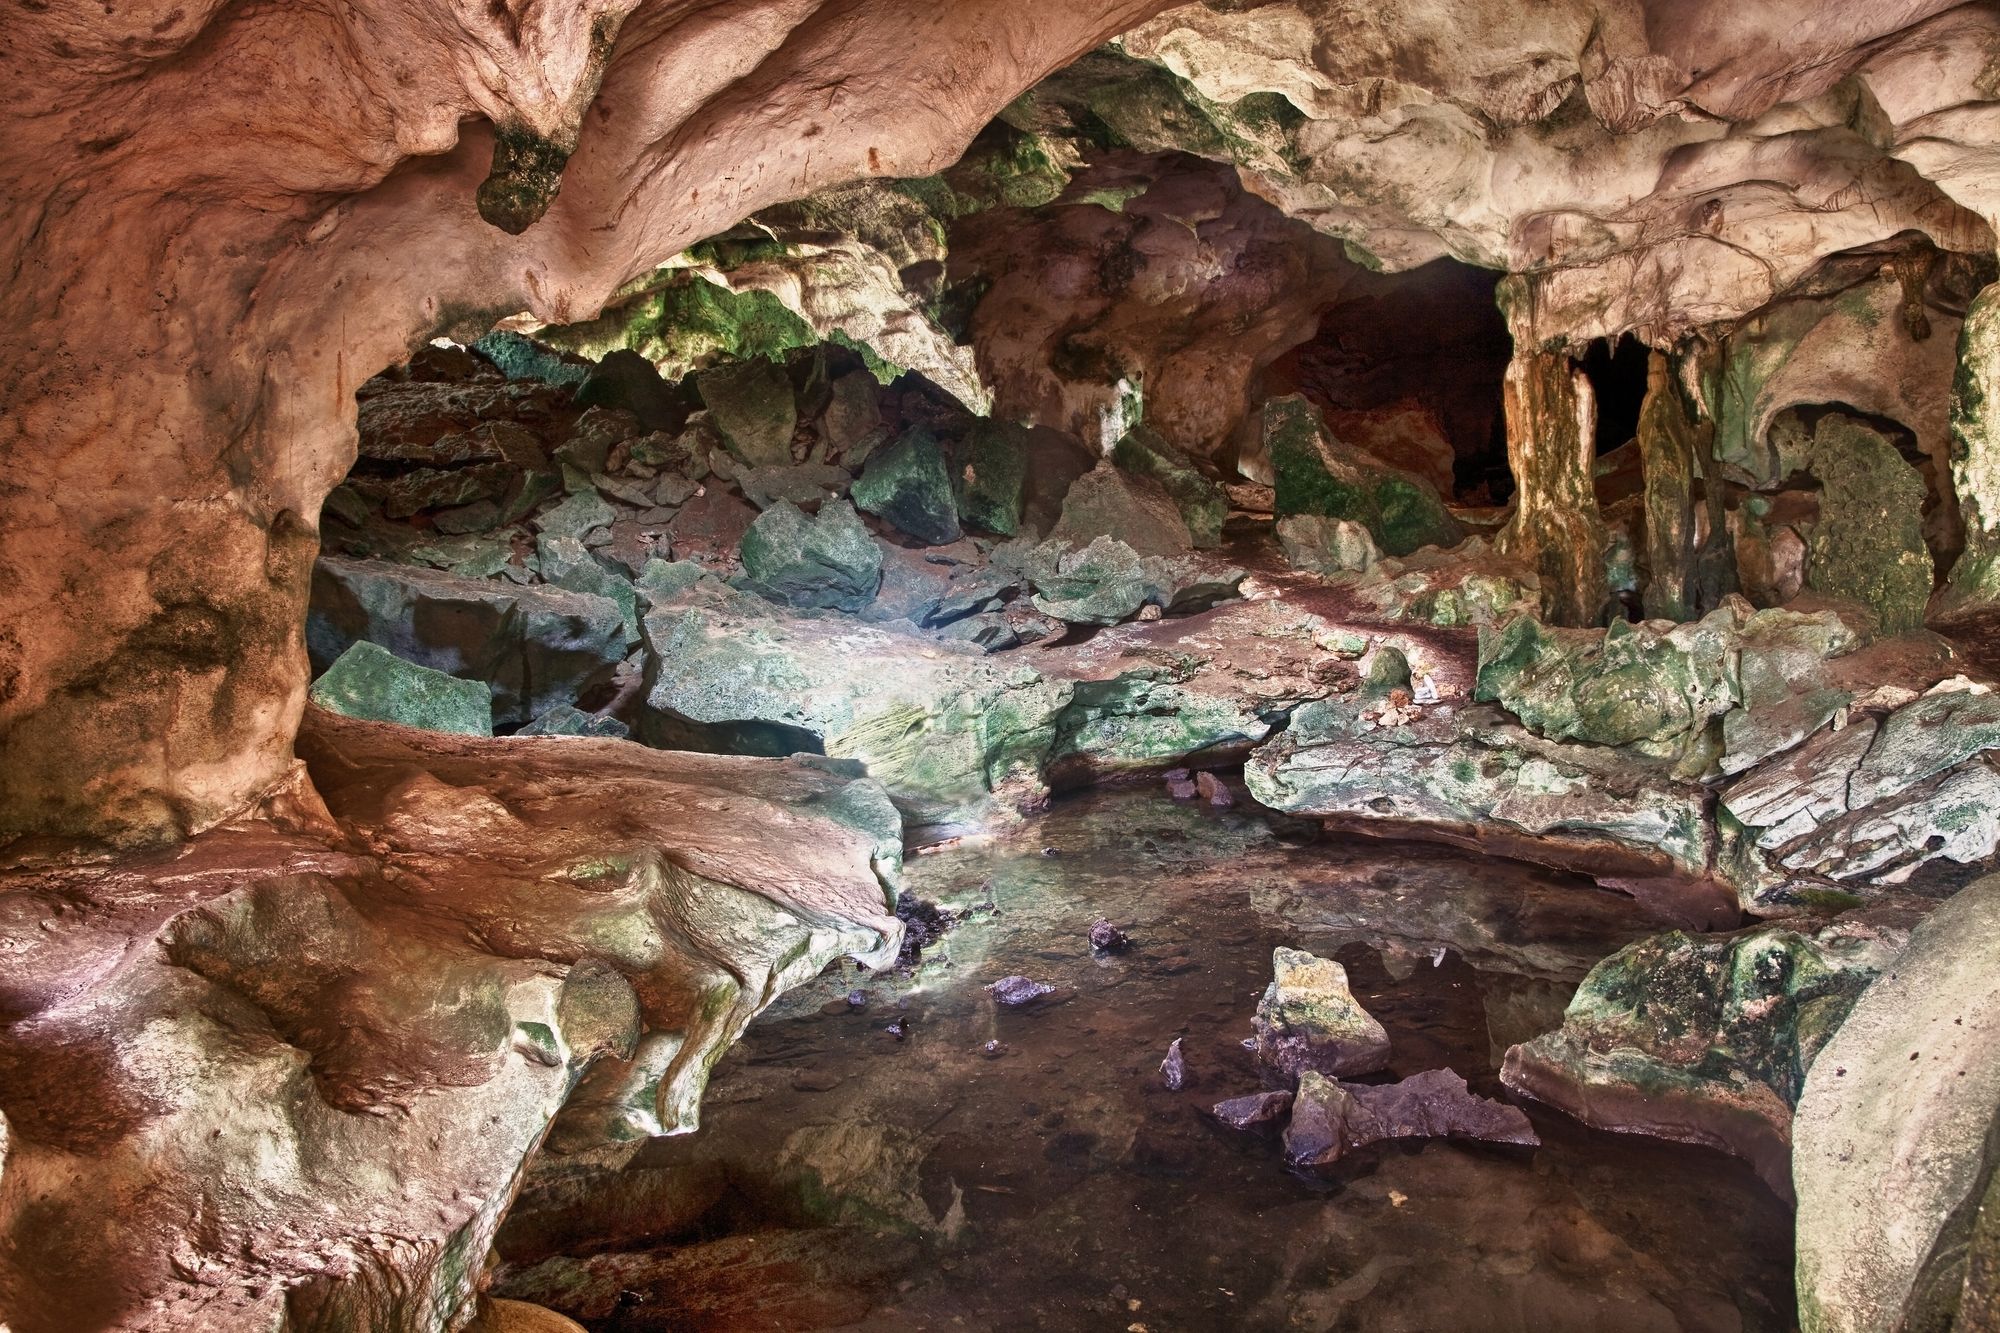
908,485
1708,1038
751,403
1317,474
992,476
1202,504
827,560
373,684
1868,544
1308,1020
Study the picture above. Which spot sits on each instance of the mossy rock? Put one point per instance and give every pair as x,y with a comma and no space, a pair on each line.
1868,545
1317,474
992,476
1201,502
909,486
751,403
372,683
828,560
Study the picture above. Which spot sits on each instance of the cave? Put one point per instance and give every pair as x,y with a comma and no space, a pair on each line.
975,665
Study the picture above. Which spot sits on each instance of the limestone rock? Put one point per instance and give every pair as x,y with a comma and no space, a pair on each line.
1318,474
1868,544
371,683
536,647
1099,584
624,379
1255,1110
569,720
992,476
321,971
827,560
1708,1039
1317,544
1331,1119
908,485
1201,502
1893,1134
751,403
1309,1022
1133,510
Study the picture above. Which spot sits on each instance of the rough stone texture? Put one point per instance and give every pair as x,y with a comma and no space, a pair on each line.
1200,500
1309,1021
375,685
1318,474
826,560
908,485
534,646
304,1060
1868,544
1551,446
1708,1039
1134,510
1892,1133
1670,448
1332,1119
1317,544
751,403
1975,454
992,477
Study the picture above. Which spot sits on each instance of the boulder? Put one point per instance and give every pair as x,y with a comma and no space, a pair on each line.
1308,1020
569,720
1098,584
751,404
520,357
371,683
852,417
535,647
1201,502
1404,434
577,516
827,560
908,485
1136,511
1893,1144
1708,1038
1316,544
1331,1119
992,476
1471,584
1318,474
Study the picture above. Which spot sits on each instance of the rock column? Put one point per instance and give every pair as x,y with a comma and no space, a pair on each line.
1975,456
1671,447
1551,446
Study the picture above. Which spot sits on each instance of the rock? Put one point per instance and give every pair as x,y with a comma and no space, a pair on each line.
1318,474
1404,434
908,485
1212,789
1330,1119
751,404
1316,544
1132,510
628,381
1201,502
566,563
1892,1146
371,683
534,647
596,435
1471,584
992,476
520,357
504,1316
1556,528
1180,786
853,415
1184,584
569,720
1108,938
1173,1069
1255,1110
1016,991
1868,544
1099,584
828,560
1309,1020
576,516
664,580
1708,1039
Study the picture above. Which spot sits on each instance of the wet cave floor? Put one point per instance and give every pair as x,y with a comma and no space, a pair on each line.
847,1178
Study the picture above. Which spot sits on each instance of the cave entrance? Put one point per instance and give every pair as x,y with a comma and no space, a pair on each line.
1410,366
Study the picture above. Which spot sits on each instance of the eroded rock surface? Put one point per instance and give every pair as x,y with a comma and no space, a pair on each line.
304,1060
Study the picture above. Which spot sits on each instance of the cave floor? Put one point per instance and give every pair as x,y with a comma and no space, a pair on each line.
848,1178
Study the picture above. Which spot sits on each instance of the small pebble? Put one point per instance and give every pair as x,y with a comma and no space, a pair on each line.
1212,790
857,999
994,1050
898,1029
1051,851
